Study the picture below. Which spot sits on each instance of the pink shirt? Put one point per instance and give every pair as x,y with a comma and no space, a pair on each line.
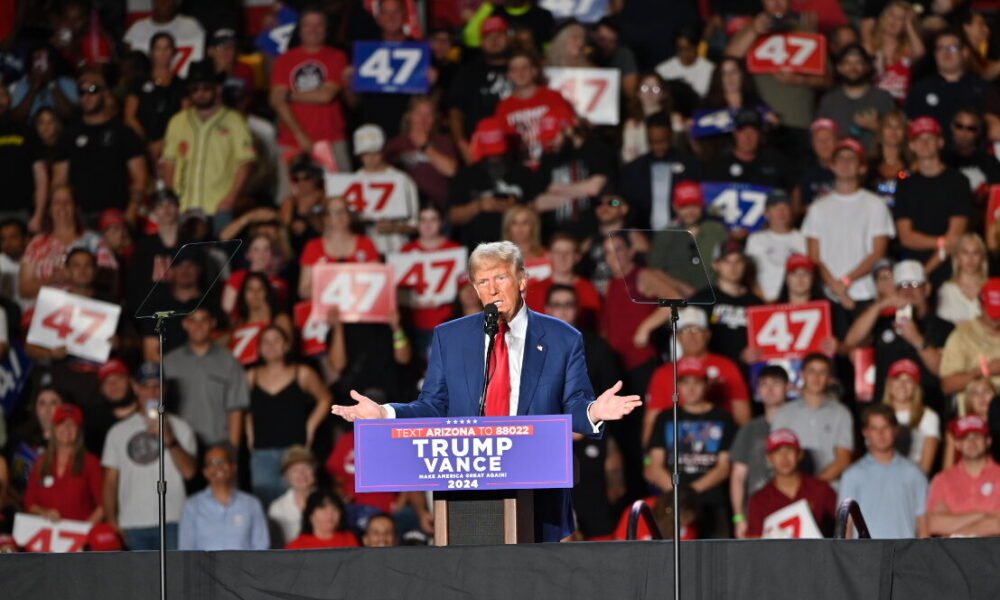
961,493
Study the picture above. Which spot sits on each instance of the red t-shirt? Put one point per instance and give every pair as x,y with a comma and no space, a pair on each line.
725,384
74,496
340,539
430,317
314,253
619,325
522,116
588,299
302,71
340,466
820,496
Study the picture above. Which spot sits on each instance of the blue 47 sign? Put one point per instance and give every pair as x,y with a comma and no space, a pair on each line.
738,205
392,67
274,41
14,370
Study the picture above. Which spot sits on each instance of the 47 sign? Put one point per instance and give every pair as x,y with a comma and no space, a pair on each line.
787,331
802,53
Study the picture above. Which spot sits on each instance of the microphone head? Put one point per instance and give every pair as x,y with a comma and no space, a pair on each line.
492,316
491,311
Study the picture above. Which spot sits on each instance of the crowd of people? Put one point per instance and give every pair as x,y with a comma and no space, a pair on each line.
125,137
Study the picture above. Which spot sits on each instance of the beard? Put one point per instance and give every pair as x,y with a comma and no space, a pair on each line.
856,81
207,103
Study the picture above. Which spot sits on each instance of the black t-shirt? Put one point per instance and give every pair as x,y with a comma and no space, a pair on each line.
537,19
371,362
149,250
157,104
768,168
590,496
890,347
815,181
476,89
727,320
573,165
489,177
18,151
98,158
702,438
935,97
928,202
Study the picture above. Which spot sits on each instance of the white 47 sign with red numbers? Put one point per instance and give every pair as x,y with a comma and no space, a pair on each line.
592,92
789,331
38,534
802,53
428,278
81,325
364,293
794,521
375,196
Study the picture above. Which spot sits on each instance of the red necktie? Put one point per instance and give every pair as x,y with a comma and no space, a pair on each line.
498,393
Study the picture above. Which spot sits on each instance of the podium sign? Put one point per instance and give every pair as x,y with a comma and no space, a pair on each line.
463,453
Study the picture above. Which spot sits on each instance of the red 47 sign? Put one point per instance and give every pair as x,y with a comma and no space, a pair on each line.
802,53
81,325
245,342
428,279
788,331
312,327
364,293
38,534
592,92
375,196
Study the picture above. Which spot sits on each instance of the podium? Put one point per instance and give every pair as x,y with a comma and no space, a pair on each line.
483,470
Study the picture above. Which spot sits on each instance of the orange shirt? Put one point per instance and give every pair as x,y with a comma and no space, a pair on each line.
962,493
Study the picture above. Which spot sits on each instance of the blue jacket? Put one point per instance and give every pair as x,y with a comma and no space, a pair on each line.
554,380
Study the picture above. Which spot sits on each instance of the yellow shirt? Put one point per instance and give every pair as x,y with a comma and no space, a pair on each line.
965,345
207,155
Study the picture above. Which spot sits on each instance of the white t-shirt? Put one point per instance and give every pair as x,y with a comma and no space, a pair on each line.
189,38
929,427
770,251
698,75
132,450
846,228
287,516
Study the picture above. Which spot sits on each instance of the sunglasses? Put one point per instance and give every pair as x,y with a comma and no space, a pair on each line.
86,89
965,127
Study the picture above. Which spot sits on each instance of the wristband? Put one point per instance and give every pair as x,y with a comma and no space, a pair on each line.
737,519
846,281
942,251
400,344
399,335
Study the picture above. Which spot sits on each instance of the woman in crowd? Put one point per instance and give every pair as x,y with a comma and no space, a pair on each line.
288,402
919,424
958,298
977,36
338,244
802,286
256,309
67,482
47,126
323,524
652,97
424,153
731,87
522,226
302,211
260,258
978,397
896,46
61,231
892,157
152,101
298,467
32,438
569,47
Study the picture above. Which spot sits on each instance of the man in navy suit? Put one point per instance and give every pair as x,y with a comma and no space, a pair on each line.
547,372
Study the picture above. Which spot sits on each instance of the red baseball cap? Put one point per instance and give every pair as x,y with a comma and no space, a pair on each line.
922,125
782,437
104,538
905,366
688,193
67,411
799,261
112,367
492,24
691,367
489,139
819,124
850,144
110,217
989,297
968,424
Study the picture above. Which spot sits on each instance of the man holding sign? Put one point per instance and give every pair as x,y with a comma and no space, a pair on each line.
538,367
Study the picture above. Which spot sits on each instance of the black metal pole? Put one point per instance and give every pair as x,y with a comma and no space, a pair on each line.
161,484
675,476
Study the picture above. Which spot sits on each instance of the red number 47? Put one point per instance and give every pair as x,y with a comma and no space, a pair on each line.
61,320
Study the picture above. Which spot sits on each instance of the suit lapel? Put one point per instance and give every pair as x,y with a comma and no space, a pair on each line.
474,359
532,363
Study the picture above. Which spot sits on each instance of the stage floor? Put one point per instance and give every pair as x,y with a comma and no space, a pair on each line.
730,569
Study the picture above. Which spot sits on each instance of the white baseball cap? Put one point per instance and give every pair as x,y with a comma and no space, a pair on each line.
909,271
692,317
368,138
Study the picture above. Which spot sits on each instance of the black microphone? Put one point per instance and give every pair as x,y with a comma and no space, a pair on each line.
491,326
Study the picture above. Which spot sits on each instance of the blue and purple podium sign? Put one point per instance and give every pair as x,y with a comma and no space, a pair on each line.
464,453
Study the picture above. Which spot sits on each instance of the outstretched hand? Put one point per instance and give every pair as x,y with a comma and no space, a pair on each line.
365,408
609,406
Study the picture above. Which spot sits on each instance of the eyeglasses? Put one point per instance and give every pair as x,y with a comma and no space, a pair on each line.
949,48
909,285
965,127
89,88
612,202
647,88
